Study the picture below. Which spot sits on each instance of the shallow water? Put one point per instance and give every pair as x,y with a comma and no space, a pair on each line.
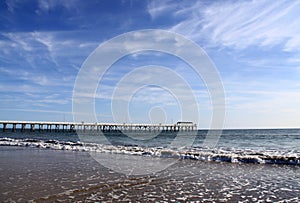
50,175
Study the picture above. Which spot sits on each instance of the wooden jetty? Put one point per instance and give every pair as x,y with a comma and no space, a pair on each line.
104,127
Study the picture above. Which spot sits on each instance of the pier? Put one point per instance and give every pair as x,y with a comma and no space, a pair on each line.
39,126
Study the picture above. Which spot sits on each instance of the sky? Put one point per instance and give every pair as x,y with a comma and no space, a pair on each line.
254,45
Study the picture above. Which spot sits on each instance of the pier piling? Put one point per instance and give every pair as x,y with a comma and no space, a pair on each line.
32,127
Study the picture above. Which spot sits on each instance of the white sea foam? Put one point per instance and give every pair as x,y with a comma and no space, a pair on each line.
204,154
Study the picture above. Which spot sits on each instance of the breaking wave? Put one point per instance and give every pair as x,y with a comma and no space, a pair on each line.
194,153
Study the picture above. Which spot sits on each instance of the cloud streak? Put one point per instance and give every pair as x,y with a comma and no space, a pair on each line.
241,24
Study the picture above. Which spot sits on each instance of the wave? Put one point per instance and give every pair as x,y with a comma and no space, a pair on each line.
195,153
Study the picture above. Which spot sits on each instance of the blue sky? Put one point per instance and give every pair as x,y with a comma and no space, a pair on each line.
255,46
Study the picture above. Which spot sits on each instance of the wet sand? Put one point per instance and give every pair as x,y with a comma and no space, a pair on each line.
45,175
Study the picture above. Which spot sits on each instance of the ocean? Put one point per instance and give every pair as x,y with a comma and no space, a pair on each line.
244,166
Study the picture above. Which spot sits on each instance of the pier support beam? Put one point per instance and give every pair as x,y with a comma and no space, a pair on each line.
72,128
14,128
4,126
49,127
56,128
23,127
41,127
32,127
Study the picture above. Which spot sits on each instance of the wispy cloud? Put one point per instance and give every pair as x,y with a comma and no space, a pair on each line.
48,5
11,4
241,24
36,47
46,111
36,78
158,8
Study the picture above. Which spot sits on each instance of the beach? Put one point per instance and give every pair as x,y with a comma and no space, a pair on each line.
46,175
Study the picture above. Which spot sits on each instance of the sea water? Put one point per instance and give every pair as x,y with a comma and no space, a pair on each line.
244,166
266,146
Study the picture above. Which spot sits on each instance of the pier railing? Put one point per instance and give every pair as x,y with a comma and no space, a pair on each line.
104,127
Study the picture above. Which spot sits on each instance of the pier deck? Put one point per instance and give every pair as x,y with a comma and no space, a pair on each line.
105,127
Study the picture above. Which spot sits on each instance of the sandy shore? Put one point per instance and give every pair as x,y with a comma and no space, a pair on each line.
55,175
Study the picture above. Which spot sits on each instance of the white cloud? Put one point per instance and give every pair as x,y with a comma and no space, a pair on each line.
23,49
293,43
38,78
34,46
241,24
11,5
157,8
48,5
18,41
27,55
